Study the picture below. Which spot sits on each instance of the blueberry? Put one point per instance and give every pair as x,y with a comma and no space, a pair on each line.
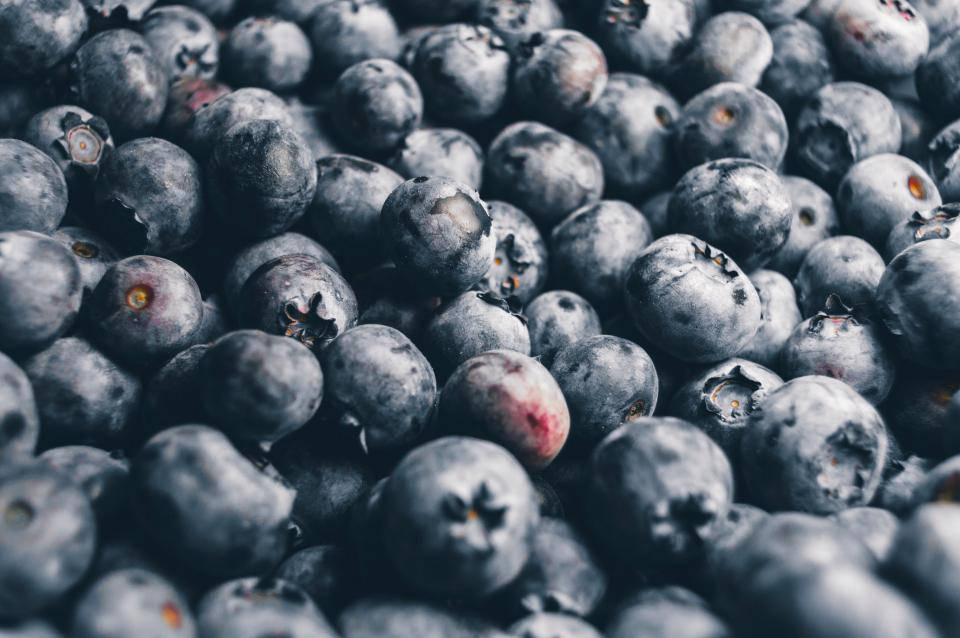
665,611
557,319
543,171
816,446
936,223
325,572
440,152
438,232
607,382
770,13
896,491
731,120
207,506
329,479
378,384
102,475
386,299
174,393
917,299
814,218
845,266
247,260
937,80
662,516
375,104
145,310
630,129
841,124
438,10
874,526
917,129
19,100
345,211
187,96
941,484
942,161
411,39
78,141
520,263
344,32
942,18
592,249
557,75
511,399
737,205
92,253
82,396
105,14
729,47
211,122
260,387
215,323
401,618
879,192
722,547
458,517
656,210
516,20
470,324
801,64
779,315
298,296
130,96
916,410
464,72
549,625
32,187
267,52
184,41
561,576
38,35
691,300
19,420
40,290
841,343
644,37
721,399
48,539
878,39
925,558
259,607
149,198
132,602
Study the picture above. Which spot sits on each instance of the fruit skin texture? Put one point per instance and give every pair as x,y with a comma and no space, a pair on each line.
267,52
260,178
937,80
814,219
919,301
737,205
877,40
444,152
184,41
458,517
212,121
94,255
438,232
780,314
845,266
547,625
646,40
658,488
522,268
144,310
38,35
401,618
32,187
607,382
102,475
816,446
82,396
665,611
260,387
40,290
557,319
942,222
344,32
209,506
132,602
511,399
48,539
19,422
378,384
801,64
874,526
691,300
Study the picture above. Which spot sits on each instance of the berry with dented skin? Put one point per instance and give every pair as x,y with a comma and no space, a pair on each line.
298,296
646,37
19,421
816,446
520,261
814,218
780,314
184,41
458,517
942,222
144,310
32,188
662,515
508,398
438,233
692,300
845,266
38,35
556,319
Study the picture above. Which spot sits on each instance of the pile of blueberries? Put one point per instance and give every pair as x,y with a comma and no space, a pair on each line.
479,318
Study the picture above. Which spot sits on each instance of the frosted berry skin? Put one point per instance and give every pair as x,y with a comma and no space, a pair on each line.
691,300
801,64
646,37
517,20
918,299
511,399
458,517
33,189
440,152
942,222
145,310
937,79
267,52
520,265
556,319
19,422
547,624
877,39
844,265
438,233
816,446
778,303
38,35
345,32
814,218
211,121
661,516
665,611
184,41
